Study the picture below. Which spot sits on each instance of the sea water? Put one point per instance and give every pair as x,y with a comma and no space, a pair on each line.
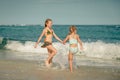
101,44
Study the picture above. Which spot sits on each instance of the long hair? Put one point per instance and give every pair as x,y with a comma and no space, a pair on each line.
72,29
46,21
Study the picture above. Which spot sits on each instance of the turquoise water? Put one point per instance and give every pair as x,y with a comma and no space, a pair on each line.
88,33
99,41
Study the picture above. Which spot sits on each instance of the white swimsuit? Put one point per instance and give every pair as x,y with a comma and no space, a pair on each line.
73,50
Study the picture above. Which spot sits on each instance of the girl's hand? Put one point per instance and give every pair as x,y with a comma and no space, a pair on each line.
64,42
61,41
82,48
36,45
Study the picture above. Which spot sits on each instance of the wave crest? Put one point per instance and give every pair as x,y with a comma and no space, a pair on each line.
97,49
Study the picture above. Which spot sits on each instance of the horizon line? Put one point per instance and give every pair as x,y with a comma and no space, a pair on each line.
58,24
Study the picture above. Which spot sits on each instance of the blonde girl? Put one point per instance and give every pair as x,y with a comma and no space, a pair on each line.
48,32
74,39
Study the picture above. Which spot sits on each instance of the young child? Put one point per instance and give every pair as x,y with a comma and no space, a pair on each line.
74,39
48,32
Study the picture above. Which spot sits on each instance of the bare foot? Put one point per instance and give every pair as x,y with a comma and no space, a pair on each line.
46,63
50,64
71,71
50,61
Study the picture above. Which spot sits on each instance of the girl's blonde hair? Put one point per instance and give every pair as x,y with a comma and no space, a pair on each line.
72,29
46,21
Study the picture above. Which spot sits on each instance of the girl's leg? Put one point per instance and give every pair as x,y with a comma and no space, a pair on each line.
49,53
70,58
53,52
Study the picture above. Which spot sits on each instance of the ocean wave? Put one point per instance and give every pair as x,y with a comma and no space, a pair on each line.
96,49
100,49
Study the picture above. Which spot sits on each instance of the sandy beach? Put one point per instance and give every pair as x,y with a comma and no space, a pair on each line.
30,70
35,31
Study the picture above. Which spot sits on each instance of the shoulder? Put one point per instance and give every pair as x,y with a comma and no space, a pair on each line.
45,29
52,30
77,36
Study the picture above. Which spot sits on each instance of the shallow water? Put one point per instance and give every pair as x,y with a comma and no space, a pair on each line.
60,61
31,70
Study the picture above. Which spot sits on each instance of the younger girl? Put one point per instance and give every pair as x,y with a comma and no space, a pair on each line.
73,47
48,32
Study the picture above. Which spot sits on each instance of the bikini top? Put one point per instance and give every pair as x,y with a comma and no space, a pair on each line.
48,32
73,41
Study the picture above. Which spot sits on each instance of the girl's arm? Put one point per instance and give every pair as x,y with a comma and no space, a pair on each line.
80,42
65,40
57,37
43,32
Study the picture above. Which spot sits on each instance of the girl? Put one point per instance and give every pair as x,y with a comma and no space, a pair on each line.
48,32
73,47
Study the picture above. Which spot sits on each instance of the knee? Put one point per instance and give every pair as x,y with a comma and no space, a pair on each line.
70,58
55,51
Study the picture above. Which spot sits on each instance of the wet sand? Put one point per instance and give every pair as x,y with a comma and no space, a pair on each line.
30,70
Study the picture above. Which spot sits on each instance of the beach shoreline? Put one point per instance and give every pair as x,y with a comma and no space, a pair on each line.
30,70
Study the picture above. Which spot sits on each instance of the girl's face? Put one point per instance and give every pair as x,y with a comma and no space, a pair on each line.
73,31
49,24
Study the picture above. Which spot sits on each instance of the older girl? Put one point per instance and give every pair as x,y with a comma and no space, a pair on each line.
48,32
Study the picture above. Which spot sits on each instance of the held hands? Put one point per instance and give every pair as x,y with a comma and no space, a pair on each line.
63,42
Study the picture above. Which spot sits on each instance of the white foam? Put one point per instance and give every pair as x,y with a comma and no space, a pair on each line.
28,46
100,49
97,49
